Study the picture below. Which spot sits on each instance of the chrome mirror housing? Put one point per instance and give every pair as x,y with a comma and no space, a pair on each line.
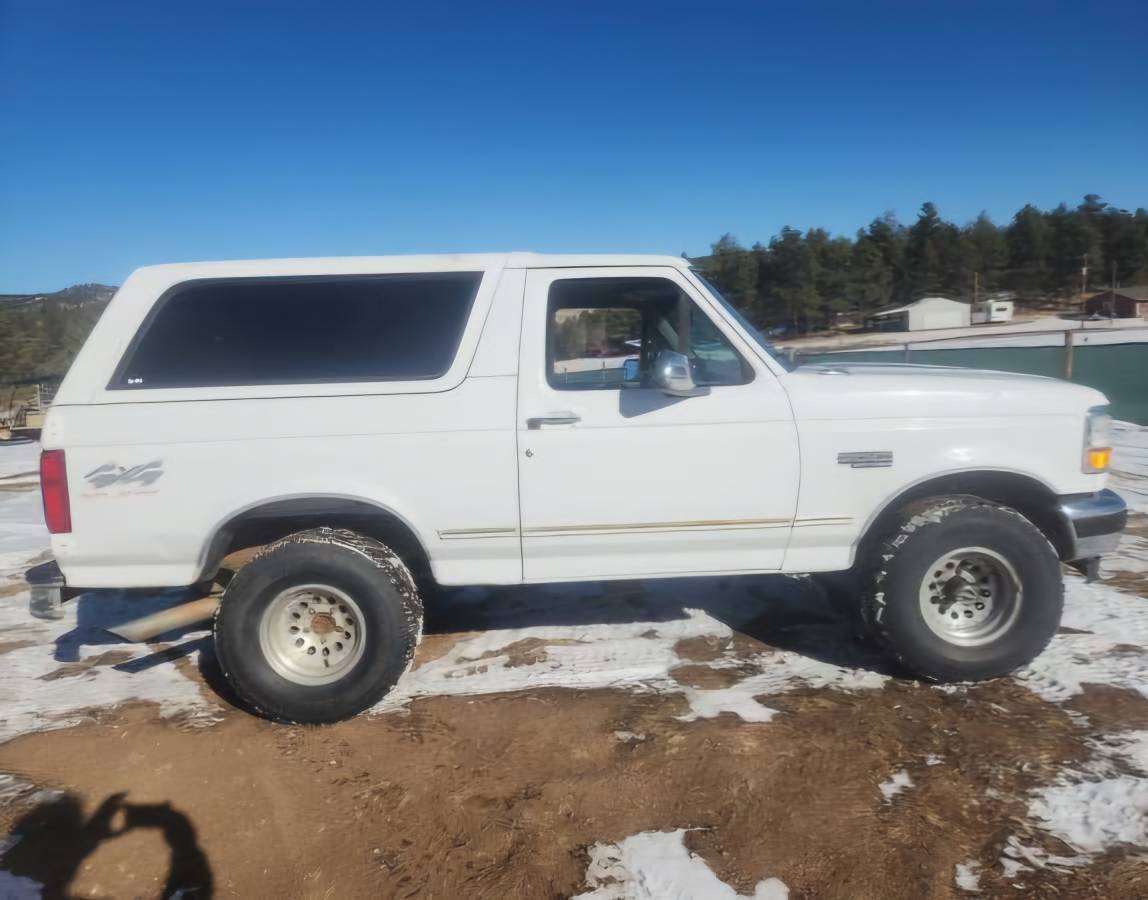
672,375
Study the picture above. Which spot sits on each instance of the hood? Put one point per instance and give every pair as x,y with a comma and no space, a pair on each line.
891,390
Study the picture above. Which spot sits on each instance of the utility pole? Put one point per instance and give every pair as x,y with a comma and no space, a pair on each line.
1083,283
976,287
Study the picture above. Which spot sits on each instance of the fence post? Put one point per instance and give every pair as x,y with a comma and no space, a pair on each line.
1068,345
908,352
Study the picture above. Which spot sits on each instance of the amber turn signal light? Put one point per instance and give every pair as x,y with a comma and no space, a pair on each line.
1096,459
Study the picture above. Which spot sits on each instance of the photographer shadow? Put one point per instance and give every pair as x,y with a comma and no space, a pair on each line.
50,843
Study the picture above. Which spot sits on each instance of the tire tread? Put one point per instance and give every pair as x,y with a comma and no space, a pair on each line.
923,514
380,556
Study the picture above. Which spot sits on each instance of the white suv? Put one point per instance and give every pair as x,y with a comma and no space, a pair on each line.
385,425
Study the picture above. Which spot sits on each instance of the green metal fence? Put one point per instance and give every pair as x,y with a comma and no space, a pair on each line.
1119,370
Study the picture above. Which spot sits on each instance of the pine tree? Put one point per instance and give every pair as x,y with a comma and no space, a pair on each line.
983,256
870,275
734,270
932,255
1027,240
803,279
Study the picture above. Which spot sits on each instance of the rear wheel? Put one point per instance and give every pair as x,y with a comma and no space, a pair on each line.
964,589
318,627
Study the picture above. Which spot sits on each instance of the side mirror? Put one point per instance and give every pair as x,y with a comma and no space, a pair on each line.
672,375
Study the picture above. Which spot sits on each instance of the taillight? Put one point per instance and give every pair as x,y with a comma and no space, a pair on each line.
54,489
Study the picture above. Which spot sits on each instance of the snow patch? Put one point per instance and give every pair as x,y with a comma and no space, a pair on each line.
1099,805
1094,815
895,785
1107,625
1129,472
23,535
967,876
634,655
1131,746
737,699
781,671
19,461
1037,858
656,865
13,790
57,680
1130,556
579,657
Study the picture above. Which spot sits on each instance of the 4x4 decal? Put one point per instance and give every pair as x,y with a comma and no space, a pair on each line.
109,474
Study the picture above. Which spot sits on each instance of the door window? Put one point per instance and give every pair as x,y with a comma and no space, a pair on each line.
605,333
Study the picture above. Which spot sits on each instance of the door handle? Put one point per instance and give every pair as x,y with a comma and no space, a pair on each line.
536,422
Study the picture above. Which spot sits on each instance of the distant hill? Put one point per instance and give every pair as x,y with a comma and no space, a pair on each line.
76,295
40,334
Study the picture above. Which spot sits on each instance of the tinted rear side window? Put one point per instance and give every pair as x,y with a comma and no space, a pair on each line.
290,331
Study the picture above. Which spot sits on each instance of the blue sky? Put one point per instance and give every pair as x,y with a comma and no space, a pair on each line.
136,133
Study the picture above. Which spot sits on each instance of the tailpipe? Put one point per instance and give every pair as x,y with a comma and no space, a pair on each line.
148,627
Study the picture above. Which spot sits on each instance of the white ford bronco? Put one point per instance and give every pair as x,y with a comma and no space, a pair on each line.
385,426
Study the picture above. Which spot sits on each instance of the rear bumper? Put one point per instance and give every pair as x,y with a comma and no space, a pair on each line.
1095,522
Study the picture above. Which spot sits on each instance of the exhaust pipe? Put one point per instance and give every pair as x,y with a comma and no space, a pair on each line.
148,627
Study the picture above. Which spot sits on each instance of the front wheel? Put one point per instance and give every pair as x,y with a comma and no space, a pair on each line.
318,627
964,590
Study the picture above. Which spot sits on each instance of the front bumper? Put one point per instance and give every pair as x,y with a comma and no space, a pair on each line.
1094,523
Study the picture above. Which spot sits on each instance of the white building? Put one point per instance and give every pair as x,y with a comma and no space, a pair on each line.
987,311
922,315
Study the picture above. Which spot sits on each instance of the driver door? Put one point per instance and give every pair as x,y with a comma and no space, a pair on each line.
618,479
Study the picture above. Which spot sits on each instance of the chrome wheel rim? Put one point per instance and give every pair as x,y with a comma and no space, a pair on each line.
312,634
970,596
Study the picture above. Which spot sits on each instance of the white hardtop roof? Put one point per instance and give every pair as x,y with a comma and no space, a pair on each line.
440,262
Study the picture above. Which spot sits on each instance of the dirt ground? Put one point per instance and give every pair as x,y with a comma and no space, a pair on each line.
501,796
536,726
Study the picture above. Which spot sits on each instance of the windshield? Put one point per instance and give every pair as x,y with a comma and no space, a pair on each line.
745,323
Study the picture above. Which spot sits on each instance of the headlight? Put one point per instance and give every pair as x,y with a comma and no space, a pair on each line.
1097,440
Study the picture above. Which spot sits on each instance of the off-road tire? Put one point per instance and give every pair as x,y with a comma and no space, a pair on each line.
366,570
926,530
